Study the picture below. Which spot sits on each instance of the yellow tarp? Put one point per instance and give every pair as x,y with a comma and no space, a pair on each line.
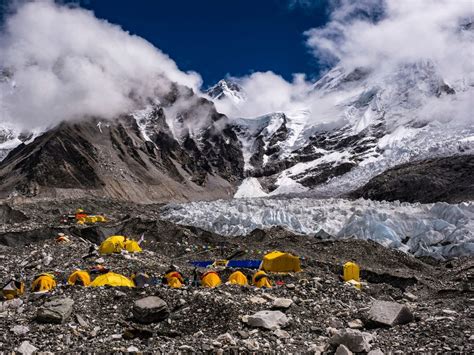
112,279
79,277
238,278
132,246
276,261
44,282
351,271
211,279
260,279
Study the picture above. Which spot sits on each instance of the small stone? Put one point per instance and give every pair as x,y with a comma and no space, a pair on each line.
375,352
410,296
291,286
116,336
343,350
449,311
251,344
243,334
26,348
389,313
355,340
132,349
187,348
281,334
81,321
268,320
20,330
356,324
226,338
100,261
258,300
282,303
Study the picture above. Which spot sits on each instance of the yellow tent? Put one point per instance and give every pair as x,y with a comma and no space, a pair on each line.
13,289
211,279
276,261
238,278
260,279
79,277
44,282
113,244
112,279
174,279
132,246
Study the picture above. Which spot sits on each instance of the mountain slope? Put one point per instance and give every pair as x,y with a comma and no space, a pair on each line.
440,179
137,157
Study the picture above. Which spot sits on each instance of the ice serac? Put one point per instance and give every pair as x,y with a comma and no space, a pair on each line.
177,148
440,230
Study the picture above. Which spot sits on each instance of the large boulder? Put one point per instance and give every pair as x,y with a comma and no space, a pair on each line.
268,319
150,309
385,313
354,340
55,311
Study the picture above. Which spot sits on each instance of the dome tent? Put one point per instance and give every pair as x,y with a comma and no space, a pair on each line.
112,279
80,278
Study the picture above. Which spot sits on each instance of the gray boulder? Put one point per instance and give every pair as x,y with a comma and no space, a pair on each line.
150,309
354,340
268,319
384,313
343,350
26,348
55,311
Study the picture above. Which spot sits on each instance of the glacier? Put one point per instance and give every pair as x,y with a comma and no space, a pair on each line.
439,230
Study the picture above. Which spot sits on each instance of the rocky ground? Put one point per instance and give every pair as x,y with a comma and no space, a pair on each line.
318,314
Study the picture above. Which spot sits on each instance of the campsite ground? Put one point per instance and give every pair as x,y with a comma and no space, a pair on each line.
438,293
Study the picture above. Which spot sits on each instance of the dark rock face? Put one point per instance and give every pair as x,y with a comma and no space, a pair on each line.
10,215
130,158
446,179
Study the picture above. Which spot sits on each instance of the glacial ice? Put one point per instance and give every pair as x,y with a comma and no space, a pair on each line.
440,230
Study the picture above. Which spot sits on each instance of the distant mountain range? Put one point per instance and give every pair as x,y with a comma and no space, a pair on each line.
179,147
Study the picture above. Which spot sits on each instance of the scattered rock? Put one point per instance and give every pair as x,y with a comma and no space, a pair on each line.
343,350
281,334
389,313
410,296
355,340
81,321
55,311
375,352
268,319
150,310
20,330
356,324
258,300
282,303
26,348
226,338
132,349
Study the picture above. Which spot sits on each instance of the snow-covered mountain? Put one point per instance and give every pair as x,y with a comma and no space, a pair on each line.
226,89
372,123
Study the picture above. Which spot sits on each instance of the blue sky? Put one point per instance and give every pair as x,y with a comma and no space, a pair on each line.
217,37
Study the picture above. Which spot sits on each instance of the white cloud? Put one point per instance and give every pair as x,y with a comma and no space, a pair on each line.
385,37
68,64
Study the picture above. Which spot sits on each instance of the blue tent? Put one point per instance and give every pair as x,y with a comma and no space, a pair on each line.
247,264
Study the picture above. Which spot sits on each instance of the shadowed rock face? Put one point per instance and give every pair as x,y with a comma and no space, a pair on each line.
448,179
117,159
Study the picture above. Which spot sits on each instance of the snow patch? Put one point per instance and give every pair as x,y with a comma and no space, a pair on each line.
249,188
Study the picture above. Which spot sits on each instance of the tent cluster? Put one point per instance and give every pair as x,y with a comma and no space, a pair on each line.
117,243
85,218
